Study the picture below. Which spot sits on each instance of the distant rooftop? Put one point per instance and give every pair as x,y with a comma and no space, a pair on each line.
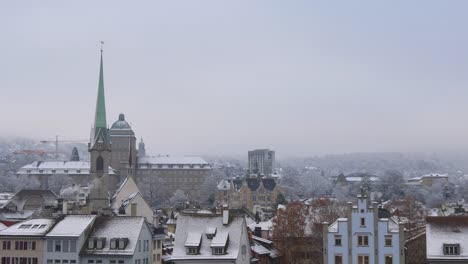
33,227
58,167
72,226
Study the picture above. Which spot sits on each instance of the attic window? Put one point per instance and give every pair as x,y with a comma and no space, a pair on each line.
218,251
42,226
113,243
65,171
28,171
53,171
91,243
451,249
122,243
192,250
78,171
34,226
100,243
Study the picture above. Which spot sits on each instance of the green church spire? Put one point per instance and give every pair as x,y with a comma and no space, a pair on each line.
100,119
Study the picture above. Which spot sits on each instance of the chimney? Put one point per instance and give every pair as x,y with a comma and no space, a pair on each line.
225,215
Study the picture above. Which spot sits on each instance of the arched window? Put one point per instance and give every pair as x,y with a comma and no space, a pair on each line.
99,164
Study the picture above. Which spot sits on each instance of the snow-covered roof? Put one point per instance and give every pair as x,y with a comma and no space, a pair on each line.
116,227
334,227
265,225
359,179
442,230
224,185
72,226
33,227
187,224
193,239
172,162
58,167
5,197
220,239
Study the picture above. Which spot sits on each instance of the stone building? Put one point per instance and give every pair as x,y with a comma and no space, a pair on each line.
185,173
124,153
363,237
248,193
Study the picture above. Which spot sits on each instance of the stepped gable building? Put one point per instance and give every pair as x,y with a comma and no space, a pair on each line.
247,193
100,152
363,237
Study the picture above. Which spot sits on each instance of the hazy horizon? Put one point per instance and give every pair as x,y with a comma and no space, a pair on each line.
221,78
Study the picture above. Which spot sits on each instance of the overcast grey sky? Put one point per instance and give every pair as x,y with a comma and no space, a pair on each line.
223,77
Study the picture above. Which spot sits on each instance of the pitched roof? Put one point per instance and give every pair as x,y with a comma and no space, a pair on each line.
33,227
116,227
189,223
442,230
72,226
174,160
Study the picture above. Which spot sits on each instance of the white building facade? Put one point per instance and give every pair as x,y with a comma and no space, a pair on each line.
363,237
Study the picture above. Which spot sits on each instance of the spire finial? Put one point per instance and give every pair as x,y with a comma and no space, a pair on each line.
102,45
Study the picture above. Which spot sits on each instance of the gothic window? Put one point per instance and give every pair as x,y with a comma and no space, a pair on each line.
99,164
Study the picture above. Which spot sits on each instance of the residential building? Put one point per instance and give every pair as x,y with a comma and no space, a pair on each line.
447,239
261,161
63,243
22,243
247,193
158,240
206,237
129,201
118,240
363,237
264,252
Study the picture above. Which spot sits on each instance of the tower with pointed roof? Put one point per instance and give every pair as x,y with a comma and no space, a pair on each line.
100,150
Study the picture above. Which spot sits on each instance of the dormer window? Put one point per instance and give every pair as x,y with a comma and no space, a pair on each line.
28,171
210,232
78,171
122,243
193,242
218,251
192,250
100,243
451,249
113,243
91,243
53,171
65,171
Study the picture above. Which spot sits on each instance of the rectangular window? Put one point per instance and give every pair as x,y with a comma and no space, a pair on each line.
363,221
49,261
16,245
121,262
33,245
388,241
73,246
65,261
338,259
57,261
158,257
112,262
58,246
388,259
363,259
451,249
192,250
90,261
218,251
65,246
337,240
139,245
72,261
50,245
159,244
98,261
363,241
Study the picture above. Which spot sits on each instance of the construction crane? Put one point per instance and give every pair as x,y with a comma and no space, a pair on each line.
56,142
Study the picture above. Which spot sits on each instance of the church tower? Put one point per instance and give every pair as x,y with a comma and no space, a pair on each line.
100,150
